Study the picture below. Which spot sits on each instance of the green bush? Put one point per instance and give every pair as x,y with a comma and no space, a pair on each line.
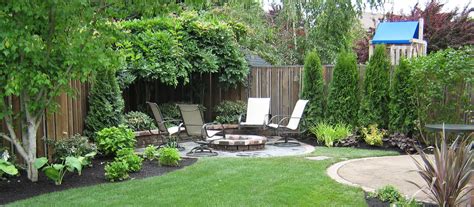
106,104
228,111
129,156
442,83
387,193
74,146
329,134
139,121
169,156
110,140
343,101
374,104
116,170
373,136
150,152
313,88
402,105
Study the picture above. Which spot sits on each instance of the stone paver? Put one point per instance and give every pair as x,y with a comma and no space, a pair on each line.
374,173
269,151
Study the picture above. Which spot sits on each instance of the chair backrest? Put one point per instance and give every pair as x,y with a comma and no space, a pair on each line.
158,117
192,118
257,111
297,114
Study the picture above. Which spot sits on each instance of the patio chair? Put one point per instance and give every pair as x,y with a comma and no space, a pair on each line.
164,132
193,121
291,128
258,113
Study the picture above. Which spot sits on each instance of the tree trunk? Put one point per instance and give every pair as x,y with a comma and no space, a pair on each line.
31,148
32,172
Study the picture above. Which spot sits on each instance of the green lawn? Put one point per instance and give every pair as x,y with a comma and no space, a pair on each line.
287,181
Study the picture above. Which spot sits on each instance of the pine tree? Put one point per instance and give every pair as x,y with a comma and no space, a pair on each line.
343,102
374,104
106,104
402,105
313,88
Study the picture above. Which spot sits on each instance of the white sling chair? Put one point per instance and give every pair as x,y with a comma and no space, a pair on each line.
258,113
291,127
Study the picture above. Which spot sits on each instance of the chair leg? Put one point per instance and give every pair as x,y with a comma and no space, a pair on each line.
202,151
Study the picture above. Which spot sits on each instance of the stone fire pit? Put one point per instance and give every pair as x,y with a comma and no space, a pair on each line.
239,142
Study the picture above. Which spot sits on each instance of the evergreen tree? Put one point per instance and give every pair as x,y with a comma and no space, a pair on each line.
343,102
402,105
106,104
313,88
374,104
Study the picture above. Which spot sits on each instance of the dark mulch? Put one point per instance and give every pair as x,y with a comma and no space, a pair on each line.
17,188
375,202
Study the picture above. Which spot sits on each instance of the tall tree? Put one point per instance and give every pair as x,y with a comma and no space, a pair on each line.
343,101
374,104
402,104
313,88
44,45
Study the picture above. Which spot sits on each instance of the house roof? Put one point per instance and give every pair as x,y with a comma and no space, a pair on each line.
396,32
255,60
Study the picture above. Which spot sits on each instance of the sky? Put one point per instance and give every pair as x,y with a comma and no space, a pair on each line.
399,5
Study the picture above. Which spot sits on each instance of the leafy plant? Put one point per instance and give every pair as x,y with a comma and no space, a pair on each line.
313,88
170,111
116,171
133,161
448,172
373,136
74,146
329,134
56,172
390,194
7,167
169,156
402,103
374,104
343,101
106,104
139,121
150,152
110,140
228,111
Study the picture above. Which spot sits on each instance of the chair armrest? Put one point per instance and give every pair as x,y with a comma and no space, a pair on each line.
275,116
204,129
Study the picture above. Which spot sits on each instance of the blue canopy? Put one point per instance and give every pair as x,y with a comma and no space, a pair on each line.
395,33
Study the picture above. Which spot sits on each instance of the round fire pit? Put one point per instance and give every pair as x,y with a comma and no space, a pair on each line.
239,142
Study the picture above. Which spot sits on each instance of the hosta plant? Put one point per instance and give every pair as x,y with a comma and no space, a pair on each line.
447,172
57,171
7,167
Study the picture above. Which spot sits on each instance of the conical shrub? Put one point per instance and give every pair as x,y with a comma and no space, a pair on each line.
313,88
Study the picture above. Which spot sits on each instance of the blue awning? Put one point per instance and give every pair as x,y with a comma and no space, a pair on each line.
395,32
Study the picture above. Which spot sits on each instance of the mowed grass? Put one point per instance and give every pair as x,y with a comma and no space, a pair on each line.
286,181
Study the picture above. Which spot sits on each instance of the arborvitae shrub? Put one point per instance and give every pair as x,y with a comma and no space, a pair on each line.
106,104
313,88
343,102
374,104
402,105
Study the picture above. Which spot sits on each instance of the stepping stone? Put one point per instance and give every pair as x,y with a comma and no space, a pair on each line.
318,158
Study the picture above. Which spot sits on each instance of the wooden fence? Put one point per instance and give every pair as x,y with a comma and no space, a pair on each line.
66,121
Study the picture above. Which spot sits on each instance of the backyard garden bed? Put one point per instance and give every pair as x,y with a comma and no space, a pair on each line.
375,202
17,188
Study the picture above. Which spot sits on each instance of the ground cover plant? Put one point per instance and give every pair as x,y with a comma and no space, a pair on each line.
169,156
293,181
74,146
330,134
391,195
373,135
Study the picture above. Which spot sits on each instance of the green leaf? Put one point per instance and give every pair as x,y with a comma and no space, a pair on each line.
58,167
40,162
7,167
73,163
52,173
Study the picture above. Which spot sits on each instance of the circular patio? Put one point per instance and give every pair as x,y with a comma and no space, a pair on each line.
376,172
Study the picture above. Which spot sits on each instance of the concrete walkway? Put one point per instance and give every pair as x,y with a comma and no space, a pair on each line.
374,173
